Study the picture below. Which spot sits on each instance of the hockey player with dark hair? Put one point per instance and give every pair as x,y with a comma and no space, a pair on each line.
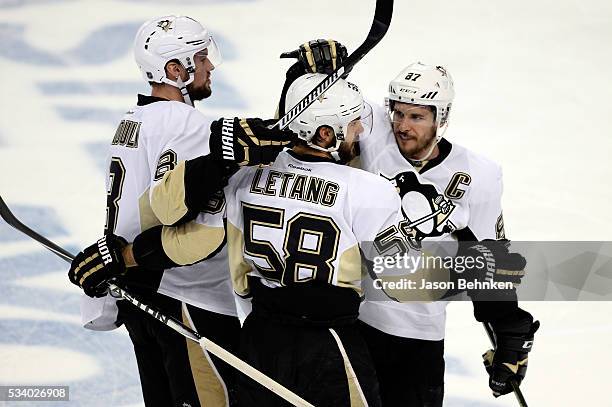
176,56
405,145
409,136
295,230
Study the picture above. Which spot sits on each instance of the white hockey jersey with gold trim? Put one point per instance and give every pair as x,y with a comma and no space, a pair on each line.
151,139
473,185
303,219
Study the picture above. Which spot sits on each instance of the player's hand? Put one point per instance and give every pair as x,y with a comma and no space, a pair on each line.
508,361
97,264
322,56
248,142
500,265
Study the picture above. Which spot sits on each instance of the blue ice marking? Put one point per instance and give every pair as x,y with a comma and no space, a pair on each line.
98,152
103,45
44,217
100,115
106,44
13,46
116,384
57,88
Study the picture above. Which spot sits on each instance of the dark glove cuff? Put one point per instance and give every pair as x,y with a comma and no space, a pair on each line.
204,176
149,252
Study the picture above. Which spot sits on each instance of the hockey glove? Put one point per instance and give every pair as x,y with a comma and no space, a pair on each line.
322,56
496,263
514,337
247,142
97,264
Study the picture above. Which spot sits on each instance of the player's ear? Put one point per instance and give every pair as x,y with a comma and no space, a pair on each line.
174,69
324,136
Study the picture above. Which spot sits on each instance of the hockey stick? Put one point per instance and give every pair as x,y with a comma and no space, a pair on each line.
172,323
380,25
515,387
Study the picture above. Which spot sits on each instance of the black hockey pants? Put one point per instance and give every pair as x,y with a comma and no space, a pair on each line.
174,371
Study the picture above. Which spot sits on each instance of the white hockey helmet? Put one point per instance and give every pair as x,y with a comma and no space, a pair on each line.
426,85
336,108
166,38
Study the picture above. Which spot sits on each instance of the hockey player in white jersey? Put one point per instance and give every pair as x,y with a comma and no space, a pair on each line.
295,230
176,55
407,339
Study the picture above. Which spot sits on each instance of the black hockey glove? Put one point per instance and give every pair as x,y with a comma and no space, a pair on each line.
97,264
494,262
247,142
322,56
514,340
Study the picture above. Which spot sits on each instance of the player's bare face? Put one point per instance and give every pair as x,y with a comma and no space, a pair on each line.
414,128
200,88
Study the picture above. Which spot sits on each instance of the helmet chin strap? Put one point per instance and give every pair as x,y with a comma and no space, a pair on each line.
333,151
183,88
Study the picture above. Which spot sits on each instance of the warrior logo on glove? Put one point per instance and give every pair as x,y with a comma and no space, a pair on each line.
247,141
97,264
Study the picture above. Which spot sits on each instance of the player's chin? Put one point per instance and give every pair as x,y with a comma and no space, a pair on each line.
407,146
200,93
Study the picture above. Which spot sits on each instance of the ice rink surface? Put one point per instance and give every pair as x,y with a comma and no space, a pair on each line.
533,92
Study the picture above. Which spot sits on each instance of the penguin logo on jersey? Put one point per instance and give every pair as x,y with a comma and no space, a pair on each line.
426,211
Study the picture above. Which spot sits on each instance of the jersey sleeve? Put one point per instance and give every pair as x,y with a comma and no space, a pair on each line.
183,135
172,246
184,175
486,220
239,267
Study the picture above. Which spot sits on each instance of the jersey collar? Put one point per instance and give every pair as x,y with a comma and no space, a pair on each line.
444,148
147,100
310,158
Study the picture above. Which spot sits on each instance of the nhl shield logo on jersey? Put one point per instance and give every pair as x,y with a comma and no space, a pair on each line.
426,211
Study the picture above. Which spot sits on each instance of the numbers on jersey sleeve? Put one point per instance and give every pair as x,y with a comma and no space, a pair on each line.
215,204
113,194
389,239
166,162
310,245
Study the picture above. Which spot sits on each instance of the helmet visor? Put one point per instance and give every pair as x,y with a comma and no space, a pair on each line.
214,54
367,119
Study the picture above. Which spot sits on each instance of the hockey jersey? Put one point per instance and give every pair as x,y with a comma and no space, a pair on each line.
151,139
302,220
471,182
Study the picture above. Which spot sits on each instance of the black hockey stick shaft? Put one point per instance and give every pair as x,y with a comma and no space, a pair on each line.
8,216
380,25
515,387
169,321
